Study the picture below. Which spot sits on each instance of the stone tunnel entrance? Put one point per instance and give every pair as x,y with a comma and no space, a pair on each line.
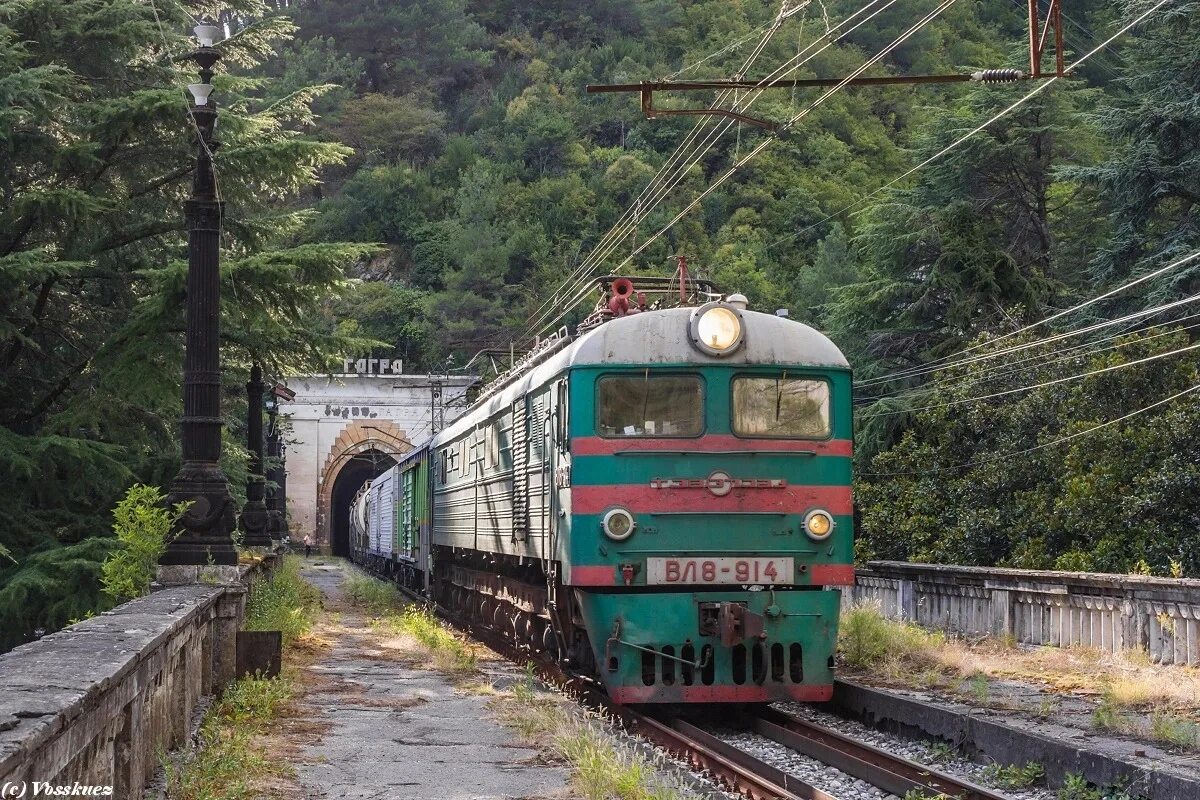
354,473
361,452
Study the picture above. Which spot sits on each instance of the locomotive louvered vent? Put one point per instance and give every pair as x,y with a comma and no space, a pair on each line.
537,428
759,663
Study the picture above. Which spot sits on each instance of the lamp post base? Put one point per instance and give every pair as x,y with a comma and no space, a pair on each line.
205,530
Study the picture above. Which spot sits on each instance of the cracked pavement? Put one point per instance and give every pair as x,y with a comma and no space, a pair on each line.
392,730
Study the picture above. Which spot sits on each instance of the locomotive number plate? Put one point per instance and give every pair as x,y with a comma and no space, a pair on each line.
719,570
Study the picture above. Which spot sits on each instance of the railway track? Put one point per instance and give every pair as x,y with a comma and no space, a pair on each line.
731,766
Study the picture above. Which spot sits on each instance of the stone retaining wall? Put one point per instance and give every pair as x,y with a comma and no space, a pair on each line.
98,702
1160,616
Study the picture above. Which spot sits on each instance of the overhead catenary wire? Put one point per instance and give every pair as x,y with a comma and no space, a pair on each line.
1048,82
657,189
1034,448
677,165
766,142
637,209
944,363
1046,340
1041,360
1042,385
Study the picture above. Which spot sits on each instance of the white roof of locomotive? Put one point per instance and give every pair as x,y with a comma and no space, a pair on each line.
661,337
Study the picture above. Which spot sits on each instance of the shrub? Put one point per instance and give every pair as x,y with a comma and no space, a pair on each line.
868,639
142,524
283,602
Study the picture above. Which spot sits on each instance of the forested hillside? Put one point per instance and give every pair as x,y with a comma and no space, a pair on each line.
422,175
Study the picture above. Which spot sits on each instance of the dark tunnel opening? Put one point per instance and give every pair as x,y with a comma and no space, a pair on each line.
357,471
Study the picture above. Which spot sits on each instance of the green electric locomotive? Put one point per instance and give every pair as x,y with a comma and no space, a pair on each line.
663,501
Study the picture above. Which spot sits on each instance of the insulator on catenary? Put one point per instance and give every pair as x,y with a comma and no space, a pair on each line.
997,75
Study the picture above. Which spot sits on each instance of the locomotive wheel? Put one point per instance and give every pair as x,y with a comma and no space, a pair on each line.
550,642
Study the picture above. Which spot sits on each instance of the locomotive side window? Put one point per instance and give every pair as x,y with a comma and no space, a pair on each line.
781,407
650,405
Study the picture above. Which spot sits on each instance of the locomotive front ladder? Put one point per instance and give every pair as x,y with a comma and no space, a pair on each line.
520,466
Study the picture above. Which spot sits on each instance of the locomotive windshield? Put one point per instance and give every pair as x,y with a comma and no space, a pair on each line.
781,407
650,405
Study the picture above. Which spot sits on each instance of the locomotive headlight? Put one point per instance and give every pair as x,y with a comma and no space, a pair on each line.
818,524
716,328
618,524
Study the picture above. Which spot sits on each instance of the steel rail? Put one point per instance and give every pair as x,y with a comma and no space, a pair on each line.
860,760
733,768
728,765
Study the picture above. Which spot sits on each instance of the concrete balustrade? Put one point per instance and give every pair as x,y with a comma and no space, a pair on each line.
99,702
1160,616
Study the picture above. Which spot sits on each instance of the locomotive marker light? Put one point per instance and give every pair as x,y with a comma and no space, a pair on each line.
618,524
716,329
818,525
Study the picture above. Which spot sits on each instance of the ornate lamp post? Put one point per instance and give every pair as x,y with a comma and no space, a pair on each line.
277,526
204,535
253,522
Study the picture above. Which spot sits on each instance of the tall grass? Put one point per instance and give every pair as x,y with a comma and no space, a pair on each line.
284,602
868,639
448,651
374,595
228,765
600,770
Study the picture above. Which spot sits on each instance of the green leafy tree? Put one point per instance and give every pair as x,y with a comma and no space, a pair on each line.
989,482
1149,182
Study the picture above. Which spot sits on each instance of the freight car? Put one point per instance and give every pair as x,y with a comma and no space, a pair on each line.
662,501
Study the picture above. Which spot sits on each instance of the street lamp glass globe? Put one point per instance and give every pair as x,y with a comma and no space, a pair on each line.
207,34
200,91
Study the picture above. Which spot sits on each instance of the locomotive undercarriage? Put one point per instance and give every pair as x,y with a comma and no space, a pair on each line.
512,595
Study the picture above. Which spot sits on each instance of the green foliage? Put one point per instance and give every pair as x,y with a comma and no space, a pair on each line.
376,596
1014,776
142,525
867,639
50,587
283,602
228,764
950,491
95,163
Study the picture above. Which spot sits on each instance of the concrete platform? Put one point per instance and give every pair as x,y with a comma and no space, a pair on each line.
1008,737
395,731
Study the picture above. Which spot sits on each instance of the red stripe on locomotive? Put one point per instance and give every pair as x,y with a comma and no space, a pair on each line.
643,499
598,446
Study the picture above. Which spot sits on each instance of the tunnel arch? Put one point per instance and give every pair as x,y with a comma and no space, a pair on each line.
362,451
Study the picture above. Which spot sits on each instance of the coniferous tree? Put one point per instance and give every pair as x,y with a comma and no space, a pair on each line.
1149,183
95,162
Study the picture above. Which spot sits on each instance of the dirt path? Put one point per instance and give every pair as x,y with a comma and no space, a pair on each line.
374,722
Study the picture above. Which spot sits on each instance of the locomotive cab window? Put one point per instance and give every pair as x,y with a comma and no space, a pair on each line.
782,407
650,405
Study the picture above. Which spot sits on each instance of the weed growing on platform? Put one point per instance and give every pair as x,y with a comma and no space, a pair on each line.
284,602
450,653
1163,725
228,765
599,768
1012,776
373,595
867,639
